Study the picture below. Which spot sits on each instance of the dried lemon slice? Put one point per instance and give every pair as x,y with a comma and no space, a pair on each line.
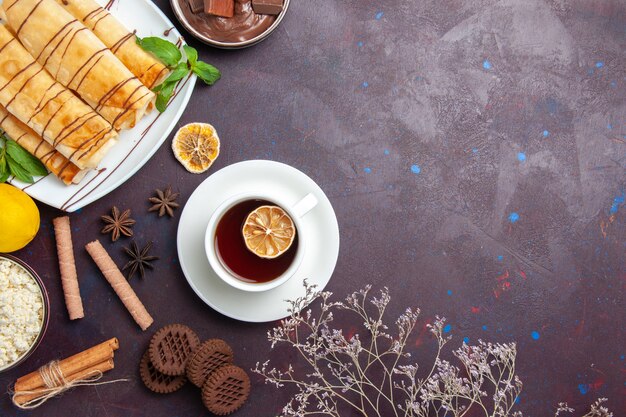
196,146
268,232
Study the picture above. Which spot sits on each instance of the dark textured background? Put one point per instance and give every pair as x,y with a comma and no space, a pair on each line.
428,123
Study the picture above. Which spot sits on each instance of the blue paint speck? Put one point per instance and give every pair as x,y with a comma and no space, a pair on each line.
474,150
513,217
534,334
521,156
273,142
367,170
552,105
500,257
617,201
365,84
484,327
386,152
518,400
621,357
416,169
359,44
609,126
545,133
613,84
466,340
379,15
449,292
486,64
447,328
599,64
583,388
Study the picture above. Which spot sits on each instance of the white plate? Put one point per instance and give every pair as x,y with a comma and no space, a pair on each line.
322,231
136,146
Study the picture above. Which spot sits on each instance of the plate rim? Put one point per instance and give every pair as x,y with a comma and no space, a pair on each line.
205,300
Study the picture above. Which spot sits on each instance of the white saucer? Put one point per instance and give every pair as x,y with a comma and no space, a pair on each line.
322,247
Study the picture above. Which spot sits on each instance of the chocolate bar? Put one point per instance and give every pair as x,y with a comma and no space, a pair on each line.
272,7
196,6
222,8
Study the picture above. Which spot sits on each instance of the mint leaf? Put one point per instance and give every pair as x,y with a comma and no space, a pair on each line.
166,88
164,94
18,172
164,50
4,170
206,72
177,74
30,164
192,54
171,56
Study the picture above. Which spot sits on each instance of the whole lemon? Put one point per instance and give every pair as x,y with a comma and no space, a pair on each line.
19,218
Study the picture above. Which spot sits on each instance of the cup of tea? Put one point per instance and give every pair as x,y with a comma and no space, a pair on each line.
229,255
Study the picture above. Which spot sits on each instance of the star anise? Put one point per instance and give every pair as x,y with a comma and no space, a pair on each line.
164,202
118,224
140,260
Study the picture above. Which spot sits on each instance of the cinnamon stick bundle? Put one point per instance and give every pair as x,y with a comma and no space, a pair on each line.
79,366
67,266
123,290
73,364
85,373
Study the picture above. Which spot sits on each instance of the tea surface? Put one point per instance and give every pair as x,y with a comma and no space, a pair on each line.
235,256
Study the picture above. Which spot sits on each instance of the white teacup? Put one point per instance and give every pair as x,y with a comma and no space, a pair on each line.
295,210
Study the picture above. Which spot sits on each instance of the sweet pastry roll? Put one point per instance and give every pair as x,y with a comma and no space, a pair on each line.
79,60
29,93
28,139
150,71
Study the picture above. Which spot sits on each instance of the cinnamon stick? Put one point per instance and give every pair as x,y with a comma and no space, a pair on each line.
72,365
123,290
85,373
69,278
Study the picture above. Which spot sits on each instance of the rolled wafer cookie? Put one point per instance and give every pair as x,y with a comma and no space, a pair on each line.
123,290
67,266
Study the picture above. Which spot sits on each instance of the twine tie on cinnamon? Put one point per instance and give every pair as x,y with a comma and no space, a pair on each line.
56,384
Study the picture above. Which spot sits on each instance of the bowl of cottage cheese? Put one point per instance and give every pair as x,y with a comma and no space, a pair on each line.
24,311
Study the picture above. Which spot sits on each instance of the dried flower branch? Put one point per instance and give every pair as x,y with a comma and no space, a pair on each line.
597,409
372,376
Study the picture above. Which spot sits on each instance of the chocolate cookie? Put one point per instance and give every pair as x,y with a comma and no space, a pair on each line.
170,348
209,356
226,390
155,380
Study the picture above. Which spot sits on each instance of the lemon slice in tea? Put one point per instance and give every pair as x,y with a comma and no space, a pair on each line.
268,232
196,146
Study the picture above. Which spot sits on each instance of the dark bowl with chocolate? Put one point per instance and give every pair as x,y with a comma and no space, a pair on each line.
245,28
